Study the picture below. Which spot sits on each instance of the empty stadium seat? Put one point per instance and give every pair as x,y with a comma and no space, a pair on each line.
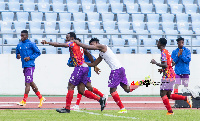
50,27
167,17
58,7
19,26
146,8
15,1
51,16
132,8
109,26
101,1
138,26
50,50
143,50
22,16
43,1
87,8
14,6
11,41
43,7
29,1
148,41
104,41
73,8
36,16
102,8
117,8
132,41
6,28
29,7
182,18
153,25
161,8
153,17
118,42
168,26
190,8
57,1
94,25
195,42
143,1
93,17
155,50
107,17
129,1
79,27
65,17
158,2
71,2
196,27
86,2
172,2
182,26
79,16
114,1
122,17
176,8
65,50
8,49
35,27
187,2
138,17
7,16
124,27
64,27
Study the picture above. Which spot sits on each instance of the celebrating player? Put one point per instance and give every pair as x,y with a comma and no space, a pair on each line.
117,75
182,57
28,52
79,75
168,78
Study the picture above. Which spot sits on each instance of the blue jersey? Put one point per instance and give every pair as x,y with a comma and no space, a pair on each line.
70,64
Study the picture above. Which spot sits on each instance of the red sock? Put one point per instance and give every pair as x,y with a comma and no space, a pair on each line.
38,94
78,99
175,91
178,97
96,91
69,98
90,95
117,99
25,97
166,103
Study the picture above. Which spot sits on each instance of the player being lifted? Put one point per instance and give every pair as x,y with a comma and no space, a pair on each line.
117,75
168,77
79,75
28,52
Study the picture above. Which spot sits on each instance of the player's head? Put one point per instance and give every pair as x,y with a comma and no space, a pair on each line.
161,42
70,36
94,41
24,35
180,42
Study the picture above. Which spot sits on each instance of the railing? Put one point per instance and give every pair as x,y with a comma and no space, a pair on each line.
111,40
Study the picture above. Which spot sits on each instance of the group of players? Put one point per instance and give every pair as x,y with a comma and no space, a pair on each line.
82,60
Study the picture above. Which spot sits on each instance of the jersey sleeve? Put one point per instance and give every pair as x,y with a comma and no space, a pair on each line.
163,56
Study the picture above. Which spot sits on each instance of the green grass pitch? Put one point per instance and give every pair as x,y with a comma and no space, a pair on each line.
146,115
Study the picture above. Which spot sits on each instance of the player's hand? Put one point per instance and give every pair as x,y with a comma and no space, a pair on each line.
160,70
27,59
44,42
180,52
153,61
97,70
18,56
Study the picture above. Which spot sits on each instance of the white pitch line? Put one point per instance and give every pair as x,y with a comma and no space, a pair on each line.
5,105
107,115
95,102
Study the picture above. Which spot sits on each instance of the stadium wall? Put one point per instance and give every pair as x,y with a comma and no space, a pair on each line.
52,74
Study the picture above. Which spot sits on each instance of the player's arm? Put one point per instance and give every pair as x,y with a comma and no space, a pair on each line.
186,57
163,64
88,55
55,44
17,53
36,52
90,47
95,63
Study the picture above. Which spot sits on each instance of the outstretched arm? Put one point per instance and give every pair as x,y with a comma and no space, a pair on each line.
55,44
90,47
95,63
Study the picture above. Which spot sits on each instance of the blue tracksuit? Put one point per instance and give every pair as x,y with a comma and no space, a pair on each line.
70,64
182,62
27,49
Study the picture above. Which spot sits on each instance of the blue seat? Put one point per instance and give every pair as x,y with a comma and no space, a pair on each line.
132,8
36,16
122,17
35,27
79,16
172,2
161,8
182,26
102,8
86,2
6,28
101,1
50,50
176,8
117,8
37,40
65,27
2,6
168,26
142,34
107,16
143,1
7,16
190,8
182,18
14,6
0,50
73,8
158,2
155,50
43,1
94,25
167,18
114,1
8,49
29,1
138,17
148,41
126,34
71,2
187,41
65,50
109,27
195,17
50,27
153,26
195,42
170,49
171,40
57,1
87,8
132,41
80,27
196,27
11,41
118,42
155,32
29,7
129,1
19,26
0,41
22,16
146,8
153,17
127,50
138,26
93,16
58,7
65,17
185,2
142,50
124,26
60,40
43,7
170,35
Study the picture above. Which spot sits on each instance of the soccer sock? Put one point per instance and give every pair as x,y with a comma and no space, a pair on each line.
79,96
90,95
69,98
96,91
38,94
178,97
117,99
166,103
25,97
175,91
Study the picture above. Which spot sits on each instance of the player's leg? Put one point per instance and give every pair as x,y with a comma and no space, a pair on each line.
177,83
93,89
185,80
35,89
163,94
78,100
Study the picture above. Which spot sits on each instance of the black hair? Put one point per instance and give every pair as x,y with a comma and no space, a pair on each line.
78,39
72,34
24,31
179,39
94,39
163,41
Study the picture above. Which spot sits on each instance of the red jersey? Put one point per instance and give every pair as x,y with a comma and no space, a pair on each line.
76,53
168,73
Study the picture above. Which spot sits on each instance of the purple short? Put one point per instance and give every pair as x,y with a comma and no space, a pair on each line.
166,85
184,78
28,73
79,75
117,77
